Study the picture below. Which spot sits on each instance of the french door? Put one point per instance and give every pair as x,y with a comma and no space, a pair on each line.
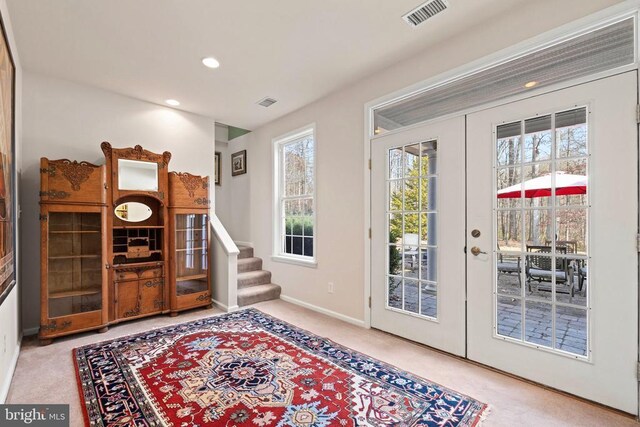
418,219
555,298
549,223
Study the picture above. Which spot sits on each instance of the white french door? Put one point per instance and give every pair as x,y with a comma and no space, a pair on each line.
417,220
552,279
549,219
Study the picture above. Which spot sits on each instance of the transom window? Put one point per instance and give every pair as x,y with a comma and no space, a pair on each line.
294,236
541,219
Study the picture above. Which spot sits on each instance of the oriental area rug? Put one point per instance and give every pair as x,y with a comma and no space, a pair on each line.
249,369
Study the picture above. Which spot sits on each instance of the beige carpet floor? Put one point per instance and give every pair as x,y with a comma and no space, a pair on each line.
46,374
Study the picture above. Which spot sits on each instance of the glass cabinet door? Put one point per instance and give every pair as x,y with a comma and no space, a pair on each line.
74,274
192,254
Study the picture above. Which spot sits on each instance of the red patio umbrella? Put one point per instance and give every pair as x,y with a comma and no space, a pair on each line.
566,184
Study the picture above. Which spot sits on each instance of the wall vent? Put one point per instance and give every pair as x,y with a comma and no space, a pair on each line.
267,102
425,11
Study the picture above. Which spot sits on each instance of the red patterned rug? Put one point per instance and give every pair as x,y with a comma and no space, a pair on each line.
249,369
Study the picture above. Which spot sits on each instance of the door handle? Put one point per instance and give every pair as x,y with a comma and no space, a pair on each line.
476,251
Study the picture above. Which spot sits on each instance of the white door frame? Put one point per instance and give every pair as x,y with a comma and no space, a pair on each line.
629,8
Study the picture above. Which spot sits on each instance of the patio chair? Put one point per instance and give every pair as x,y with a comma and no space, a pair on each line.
411,243
507,265
538,267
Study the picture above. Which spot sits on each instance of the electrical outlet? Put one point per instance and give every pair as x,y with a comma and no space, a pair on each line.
330,290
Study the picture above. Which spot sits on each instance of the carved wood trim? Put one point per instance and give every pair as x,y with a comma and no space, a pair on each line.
54,194
190,182
53,326
75,172
106,149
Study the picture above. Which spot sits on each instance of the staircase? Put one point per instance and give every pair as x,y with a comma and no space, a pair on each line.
254,283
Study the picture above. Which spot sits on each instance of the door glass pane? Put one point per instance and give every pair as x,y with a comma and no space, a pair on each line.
428,299
538,323
509,317
412,228
192,253
411,295
74,274
571,330
509,273
543,260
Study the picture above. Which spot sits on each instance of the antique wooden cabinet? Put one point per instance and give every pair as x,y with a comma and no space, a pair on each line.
189,241
73,249
120,241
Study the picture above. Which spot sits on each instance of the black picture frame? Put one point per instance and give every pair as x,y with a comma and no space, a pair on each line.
239,163
218,168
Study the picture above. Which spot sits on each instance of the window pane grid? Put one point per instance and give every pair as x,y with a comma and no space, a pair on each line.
411,224
541,252
296,196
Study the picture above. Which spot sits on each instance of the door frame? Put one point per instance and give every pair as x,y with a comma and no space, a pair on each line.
629,8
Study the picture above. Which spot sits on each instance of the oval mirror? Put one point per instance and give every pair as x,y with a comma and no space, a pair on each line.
133,211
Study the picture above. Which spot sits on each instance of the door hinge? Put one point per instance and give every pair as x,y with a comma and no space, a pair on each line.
638,113
369,232
369,302
638,242
43,217
638,371
369,164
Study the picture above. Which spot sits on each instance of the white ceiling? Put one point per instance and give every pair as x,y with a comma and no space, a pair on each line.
293,50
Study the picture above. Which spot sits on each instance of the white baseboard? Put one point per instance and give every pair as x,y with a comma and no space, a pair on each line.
224,307
30,331
4,388
240,243
324,311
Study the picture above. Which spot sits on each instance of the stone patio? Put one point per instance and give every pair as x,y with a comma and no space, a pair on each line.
571,321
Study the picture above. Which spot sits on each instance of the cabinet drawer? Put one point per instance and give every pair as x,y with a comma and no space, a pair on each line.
65,325
135,274
151,273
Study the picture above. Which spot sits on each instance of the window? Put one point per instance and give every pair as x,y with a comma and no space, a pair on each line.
541,218
294,210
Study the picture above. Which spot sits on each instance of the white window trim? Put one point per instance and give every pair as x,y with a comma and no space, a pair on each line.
278,255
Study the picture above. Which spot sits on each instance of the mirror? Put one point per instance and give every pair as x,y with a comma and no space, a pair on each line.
137,175
133,212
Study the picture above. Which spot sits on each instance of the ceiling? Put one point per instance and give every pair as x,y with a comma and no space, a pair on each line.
295,51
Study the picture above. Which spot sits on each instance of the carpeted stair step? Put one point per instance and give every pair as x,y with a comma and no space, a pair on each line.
249,264
245,252
253,278
258,293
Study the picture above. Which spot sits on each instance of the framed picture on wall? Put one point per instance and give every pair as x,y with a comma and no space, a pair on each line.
7,169
239,163
218,168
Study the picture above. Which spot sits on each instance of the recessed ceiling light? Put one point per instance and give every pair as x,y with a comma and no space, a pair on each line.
210,62
172,102
531,84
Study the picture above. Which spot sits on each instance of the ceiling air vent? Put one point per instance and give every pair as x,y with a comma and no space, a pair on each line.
267,102
425,11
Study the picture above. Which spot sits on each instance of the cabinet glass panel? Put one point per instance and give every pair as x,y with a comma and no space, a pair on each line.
75,263
192,253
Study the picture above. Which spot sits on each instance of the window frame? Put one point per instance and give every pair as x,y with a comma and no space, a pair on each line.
278,143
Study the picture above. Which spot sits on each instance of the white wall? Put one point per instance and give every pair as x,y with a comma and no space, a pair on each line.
223,191
10,333
339,122
69,120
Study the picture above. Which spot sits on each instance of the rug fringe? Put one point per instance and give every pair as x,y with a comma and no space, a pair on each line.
483,416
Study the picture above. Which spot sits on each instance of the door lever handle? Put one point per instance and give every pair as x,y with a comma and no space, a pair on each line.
476,251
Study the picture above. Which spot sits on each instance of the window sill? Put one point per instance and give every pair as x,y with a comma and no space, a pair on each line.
295,261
